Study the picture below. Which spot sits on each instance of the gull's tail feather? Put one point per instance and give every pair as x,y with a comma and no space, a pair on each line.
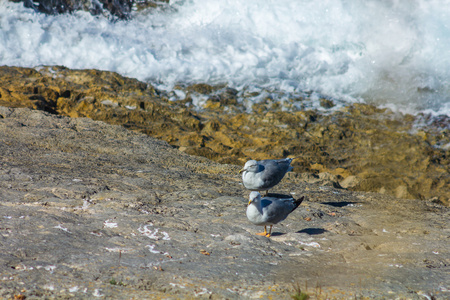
287,159
297,202
292,158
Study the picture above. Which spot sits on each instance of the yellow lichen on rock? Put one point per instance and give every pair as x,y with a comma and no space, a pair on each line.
366,148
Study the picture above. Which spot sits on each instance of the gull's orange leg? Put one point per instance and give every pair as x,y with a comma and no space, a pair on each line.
263,233
270,231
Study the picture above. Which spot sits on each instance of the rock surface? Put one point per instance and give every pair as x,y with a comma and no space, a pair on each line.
118,8
363,148
91,210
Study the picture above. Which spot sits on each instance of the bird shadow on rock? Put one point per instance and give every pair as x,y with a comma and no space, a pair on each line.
277,233
309,231
312,231
339,204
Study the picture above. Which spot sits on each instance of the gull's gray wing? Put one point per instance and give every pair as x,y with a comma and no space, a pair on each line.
276,210
274,170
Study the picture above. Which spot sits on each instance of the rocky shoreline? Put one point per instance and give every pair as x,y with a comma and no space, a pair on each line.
95,210
92,210
360,147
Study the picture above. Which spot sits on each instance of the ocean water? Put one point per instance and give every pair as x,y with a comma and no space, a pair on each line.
390,53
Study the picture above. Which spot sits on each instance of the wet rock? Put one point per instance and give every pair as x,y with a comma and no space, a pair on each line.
367,148
326,103
118,8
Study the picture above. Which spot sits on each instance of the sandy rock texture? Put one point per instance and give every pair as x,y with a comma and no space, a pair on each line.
362,147
90,210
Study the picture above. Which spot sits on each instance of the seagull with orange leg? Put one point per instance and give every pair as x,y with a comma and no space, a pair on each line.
269,211
264,174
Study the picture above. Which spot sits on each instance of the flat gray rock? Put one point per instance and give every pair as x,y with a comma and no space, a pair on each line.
90,210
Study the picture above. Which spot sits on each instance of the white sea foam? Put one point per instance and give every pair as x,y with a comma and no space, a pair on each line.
390,53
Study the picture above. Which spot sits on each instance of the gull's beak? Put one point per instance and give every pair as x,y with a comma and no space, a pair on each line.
242,170
249,202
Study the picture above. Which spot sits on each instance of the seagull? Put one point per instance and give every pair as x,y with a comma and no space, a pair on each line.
269,210
264,174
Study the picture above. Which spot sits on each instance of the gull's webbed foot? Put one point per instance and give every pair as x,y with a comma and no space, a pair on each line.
262,233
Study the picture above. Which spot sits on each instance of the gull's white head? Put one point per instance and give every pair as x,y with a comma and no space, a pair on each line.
254,196
250,166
